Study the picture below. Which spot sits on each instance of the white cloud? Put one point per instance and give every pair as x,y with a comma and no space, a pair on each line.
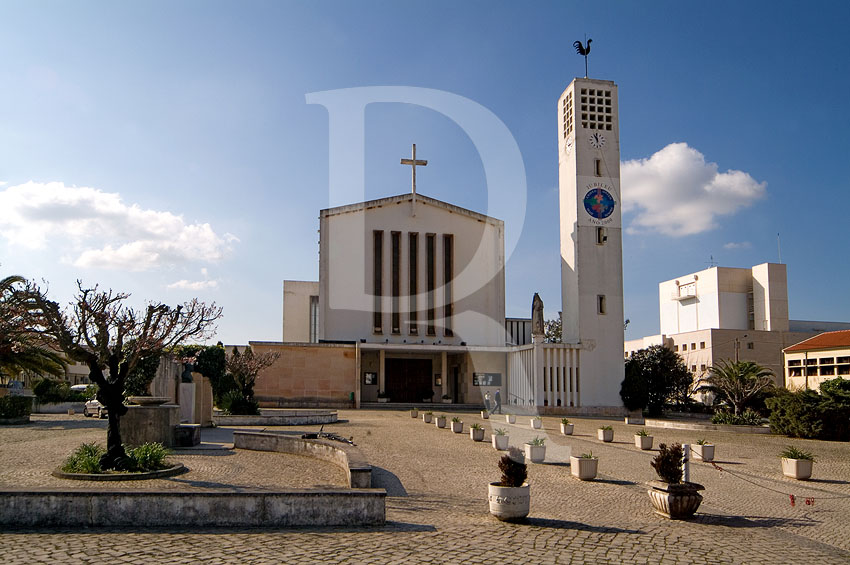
737,245
193,285
675,192
101,230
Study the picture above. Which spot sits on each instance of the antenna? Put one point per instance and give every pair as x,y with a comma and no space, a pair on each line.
711,262
779,247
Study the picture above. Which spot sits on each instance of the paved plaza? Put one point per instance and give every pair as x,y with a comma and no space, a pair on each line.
437,508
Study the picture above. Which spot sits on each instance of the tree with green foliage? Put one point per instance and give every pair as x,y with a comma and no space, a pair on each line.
112,338
552,331
140,378
652,377
244,368
737,383
809,414
211,363
22,347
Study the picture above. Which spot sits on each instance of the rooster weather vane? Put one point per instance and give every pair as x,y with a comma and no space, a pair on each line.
582,50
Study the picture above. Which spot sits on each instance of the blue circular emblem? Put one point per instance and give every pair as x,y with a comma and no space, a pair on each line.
599,203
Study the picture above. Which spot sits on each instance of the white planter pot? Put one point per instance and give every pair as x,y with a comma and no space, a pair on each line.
635,421
485,414
457,427
536,423
447,401
510,418
584,469
426,418
643,442
537,453
414,413
382,400
567,429
476,434
440,422
605,435
799,469
500,443
509,503
704,452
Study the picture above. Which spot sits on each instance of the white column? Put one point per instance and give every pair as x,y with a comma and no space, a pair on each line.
444,368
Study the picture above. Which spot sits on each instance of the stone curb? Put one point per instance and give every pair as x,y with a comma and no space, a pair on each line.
159,474
675,425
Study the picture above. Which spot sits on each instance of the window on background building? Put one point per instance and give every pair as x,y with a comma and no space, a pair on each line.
448,272
431,280
684,347
693,346
601,307
601,236
702,367
314,319
751,345
413,274
693,368
702,345
377,279
676,348
396,281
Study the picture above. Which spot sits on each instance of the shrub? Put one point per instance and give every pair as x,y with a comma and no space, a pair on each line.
746,418
606,428
500,432
148,457
85,459
588,455
51,390
15,406
514,473
536,441
792,452
642,433
475,427
668,463
233,403
455,419
565,421
807,414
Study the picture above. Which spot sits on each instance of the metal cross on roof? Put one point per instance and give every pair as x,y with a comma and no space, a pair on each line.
413,163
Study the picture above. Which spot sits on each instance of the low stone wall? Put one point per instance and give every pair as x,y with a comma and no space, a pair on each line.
279,418
676,425
57,407
346,456
290,507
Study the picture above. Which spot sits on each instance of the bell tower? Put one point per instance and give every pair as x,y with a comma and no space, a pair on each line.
591,238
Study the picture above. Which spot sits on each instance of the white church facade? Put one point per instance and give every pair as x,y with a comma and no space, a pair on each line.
410,301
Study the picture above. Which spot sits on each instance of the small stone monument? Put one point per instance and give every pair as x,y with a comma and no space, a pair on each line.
537,325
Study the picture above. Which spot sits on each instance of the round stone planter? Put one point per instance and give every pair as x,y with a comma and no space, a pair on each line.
476,434
414,413
567,429
510,418
605,435
148,400
457,427
800,469
704,452
536,423
440,421
675,501
584,468
509,504
536,453
177,469
643,442
426,418
500,443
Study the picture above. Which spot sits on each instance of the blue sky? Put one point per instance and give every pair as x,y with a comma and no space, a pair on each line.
205,167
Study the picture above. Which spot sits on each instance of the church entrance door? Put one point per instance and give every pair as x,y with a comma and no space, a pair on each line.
406,379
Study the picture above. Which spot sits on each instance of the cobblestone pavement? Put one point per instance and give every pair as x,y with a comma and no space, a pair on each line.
437,509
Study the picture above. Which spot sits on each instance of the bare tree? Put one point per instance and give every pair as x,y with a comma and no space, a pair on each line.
246,366
111,338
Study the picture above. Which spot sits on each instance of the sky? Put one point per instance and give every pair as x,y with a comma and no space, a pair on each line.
168,149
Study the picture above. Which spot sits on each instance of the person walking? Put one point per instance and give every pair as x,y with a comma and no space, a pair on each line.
497,402
487,401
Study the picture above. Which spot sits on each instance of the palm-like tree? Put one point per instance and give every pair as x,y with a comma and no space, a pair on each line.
22,348
737,382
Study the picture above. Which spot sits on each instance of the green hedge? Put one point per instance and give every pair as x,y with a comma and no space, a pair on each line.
807,414
15,406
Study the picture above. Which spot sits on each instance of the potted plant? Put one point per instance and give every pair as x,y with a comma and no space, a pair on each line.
510,498
426,417
510,418
535,449
383,397
428,395
584,467
485,414
440,421
447,399
476,432
643,440
704,450
671,497
500,439
605,433
414,413
457,425
797,463
536,423
566,427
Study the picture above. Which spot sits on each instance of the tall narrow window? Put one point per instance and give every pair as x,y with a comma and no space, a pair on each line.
314,319
396,281
432,280
448,254
413,274
600,304
597,167
601,236
377,277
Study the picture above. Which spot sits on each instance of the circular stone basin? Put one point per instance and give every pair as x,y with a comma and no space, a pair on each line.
168,472
148,400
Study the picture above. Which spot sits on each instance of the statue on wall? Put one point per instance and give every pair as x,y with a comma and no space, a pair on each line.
537,327
188,367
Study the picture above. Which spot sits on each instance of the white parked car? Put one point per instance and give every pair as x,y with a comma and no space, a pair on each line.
94,407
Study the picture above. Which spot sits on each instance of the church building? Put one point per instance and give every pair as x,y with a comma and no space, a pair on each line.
410,302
